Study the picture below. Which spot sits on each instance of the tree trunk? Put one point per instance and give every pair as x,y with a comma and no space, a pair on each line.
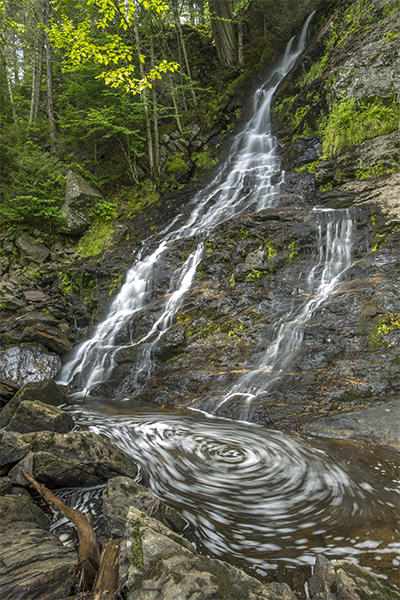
179,27
145,103
155,115
223,32
37,68
240,38
49,83
9,87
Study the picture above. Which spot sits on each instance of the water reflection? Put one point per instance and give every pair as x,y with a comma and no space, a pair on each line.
257,496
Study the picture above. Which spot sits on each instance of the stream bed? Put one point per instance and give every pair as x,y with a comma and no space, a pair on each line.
257,498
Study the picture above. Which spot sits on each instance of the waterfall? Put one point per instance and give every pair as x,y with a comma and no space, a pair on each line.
246,181
334,251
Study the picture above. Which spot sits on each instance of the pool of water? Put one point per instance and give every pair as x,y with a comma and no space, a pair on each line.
258,498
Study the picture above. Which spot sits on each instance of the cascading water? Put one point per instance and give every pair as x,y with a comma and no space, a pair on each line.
252,164
334,250
254,496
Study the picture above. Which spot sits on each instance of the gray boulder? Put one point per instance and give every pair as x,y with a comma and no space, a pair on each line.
36,416
32,253
80,199
46,392
5,486
47,335
12,449
19,508
343,580
35,565
79,458
7,391
121,493
28,363
155,562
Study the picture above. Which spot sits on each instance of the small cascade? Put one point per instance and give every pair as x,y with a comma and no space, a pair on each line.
334,252
242,183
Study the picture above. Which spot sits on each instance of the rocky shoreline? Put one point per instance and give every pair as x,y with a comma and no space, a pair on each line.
155,561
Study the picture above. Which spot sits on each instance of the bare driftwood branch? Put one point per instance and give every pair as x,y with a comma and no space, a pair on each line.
107,579
89,553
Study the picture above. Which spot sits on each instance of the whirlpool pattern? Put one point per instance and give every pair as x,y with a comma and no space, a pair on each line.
253,493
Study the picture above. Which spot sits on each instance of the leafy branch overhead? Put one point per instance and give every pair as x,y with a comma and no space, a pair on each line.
88,40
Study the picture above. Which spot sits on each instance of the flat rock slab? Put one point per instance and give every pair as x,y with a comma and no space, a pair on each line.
35,565
35,296
79,458
123,492
376,425
12,449
46,392
21,508
36,416
157,563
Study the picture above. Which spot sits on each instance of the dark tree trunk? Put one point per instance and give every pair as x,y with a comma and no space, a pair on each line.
49,83
223,32
37,66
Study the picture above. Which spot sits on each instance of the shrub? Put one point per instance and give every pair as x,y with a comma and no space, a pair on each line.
352,122
33,192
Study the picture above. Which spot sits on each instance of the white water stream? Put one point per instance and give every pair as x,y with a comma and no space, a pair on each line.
252,164
253,495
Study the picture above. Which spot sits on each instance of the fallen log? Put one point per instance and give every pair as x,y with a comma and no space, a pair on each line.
88,553
107,578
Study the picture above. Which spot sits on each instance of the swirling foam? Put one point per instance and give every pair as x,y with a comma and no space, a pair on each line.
251,493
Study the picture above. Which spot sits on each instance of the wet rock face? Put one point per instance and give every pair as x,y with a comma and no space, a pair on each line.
341,579
28,363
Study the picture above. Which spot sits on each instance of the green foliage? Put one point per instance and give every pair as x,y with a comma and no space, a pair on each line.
140,199
105,45
309,167
106,211
33,190
204,160
315,71
375,169
177,165
382,326
352,122
256,274
98,238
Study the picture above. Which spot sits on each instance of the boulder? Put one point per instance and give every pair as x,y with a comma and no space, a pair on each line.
21,508
35,565
46,392
7,391
155,562
5,486
47,335
79,458
12,449
122,493
36,416
28,363
80,199
344,580
9,302
32,253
